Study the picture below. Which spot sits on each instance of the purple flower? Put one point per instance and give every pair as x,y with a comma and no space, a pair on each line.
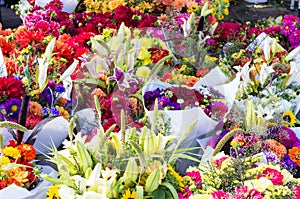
60,89
122,79
12,109
218,109
285,136
47,95
287,163
163,101
288,28
295,38
297,144
54,111
45,111
272,157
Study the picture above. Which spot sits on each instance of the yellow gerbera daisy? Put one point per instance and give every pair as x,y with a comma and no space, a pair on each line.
288,119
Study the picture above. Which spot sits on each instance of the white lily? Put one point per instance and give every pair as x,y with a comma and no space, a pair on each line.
264,113
265,72
294,74
244,72
42,77
66,192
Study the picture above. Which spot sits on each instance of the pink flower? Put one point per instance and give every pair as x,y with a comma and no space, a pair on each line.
195,176
296,191
244,193
185,194
220,194
272,174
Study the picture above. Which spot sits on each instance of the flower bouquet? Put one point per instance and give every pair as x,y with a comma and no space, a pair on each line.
19,173
131,163
239,177
36,98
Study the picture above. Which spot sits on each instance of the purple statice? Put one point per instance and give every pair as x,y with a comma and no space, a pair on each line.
288,28
295,38
60,89
54,111
272,157
287,163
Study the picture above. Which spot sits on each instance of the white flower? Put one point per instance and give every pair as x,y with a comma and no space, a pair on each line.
265,72
66,192
265,113
93,195
260,184
294,73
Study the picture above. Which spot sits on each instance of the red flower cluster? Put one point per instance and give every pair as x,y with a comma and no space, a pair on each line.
10,88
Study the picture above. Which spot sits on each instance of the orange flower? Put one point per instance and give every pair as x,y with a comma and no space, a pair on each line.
192,80
27,151
167,2
294,154
179,4
277,148
99,92
36,109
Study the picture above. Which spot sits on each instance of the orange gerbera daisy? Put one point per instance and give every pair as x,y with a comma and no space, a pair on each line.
294,154
277,148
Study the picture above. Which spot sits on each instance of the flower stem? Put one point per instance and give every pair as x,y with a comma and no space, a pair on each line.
22,117
225,139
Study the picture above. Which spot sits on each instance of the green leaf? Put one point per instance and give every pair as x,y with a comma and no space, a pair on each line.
158,194
13,125
171,189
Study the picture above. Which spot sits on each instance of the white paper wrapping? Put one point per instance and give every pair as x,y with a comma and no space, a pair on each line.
15,192
54,131
181,119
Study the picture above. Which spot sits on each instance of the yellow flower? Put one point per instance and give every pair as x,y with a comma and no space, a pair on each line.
193,8
145,55
18,174
288,119
4,161
226,12
220,17
106,32
143,72
177,177
11,152
129,195
52,192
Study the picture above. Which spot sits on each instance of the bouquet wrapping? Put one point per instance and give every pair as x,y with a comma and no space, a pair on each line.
53,132
39,192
